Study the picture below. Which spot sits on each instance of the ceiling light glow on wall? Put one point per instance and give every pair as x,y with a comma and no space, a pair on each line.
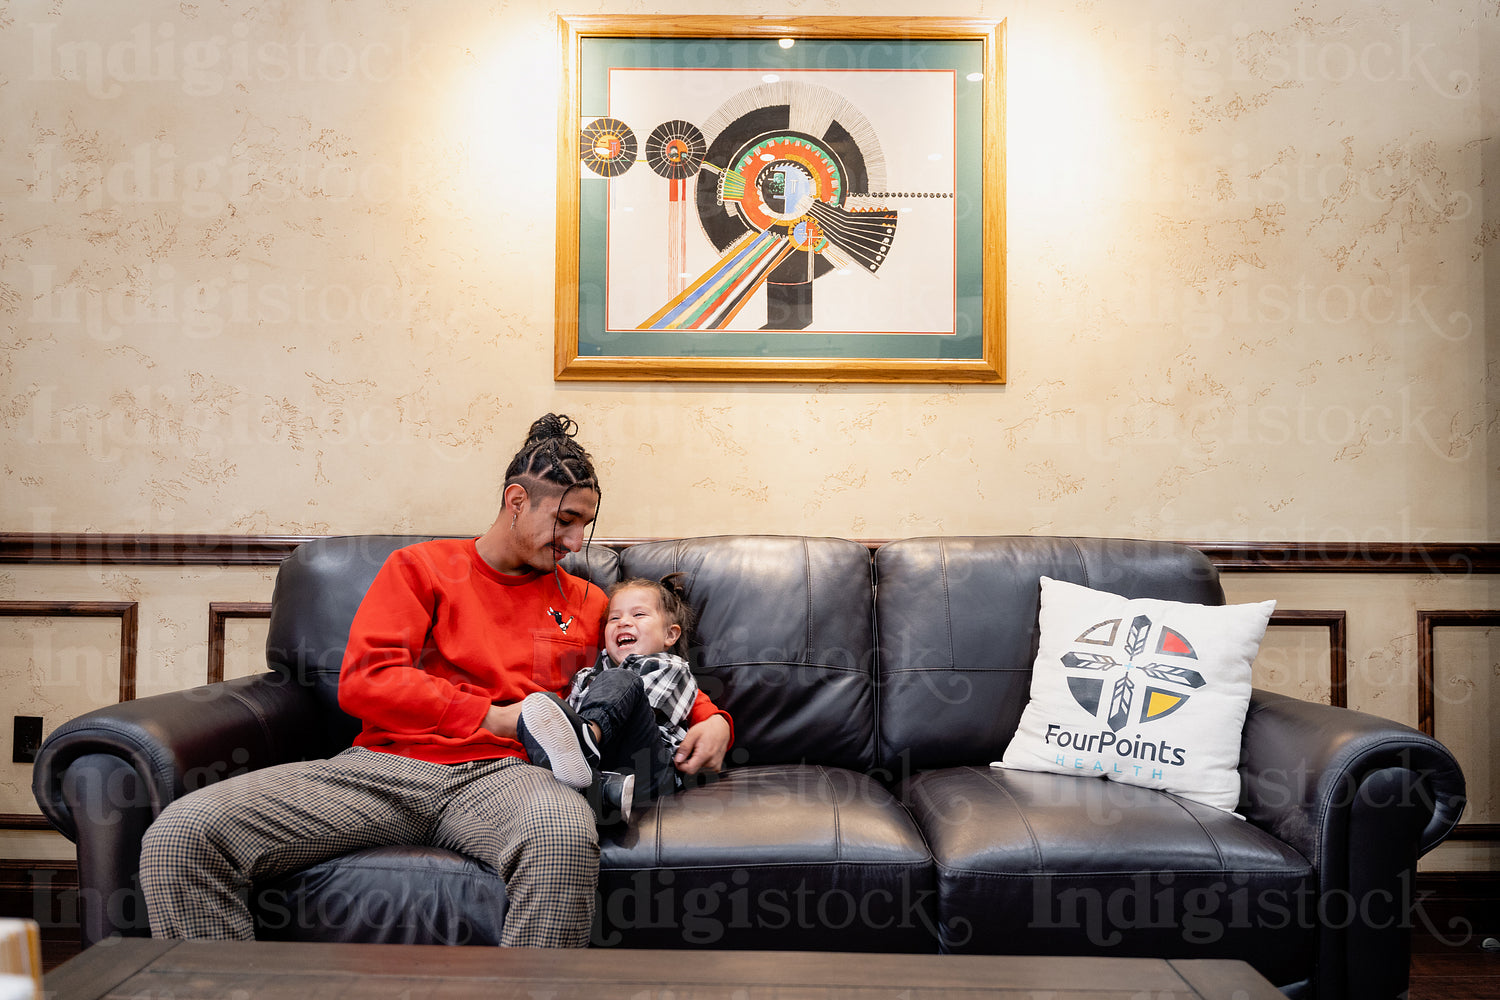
1061,129
787,43
490,161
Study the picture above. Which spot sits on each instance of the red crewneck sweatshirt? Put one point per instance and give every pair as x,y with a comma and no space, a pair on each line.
440,636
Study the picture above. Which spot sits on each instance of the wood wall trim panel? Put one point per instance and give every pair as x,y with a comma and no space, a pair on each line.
93,549
1427,621
127,611
219,613
1336,622
1353,557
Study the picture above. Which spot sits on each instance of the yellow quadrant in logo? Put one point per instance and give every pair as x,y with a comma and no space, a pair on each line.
1159,703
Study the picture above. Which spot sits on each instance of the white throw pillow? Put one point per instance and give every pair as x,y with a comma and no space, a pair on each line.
1142,691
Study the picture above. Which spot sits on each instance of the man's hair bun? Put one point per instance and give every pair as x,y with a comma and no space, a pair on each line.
552,455
552,425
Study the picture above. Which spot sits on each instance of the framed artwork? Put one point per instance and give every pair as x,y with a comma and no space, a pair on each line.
746,199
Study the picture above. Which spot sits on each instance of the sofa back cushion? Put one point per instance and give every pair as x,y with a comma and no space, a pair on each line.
956,625
319,588
784,641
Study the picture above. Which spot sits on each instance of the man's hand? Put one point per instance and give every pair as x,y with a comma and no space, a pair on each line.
704,746
501,720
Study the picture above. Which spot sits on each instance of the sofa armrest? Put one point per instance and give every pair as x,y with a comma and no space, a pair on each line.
1304,765
183,740
103,777
1362,798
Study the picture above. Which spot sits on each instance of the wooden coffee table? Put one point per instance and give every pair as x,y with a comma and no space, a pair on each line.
138,967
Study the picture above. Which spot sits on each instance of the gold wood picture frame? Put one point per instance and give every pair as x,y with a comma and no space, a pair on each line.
816,199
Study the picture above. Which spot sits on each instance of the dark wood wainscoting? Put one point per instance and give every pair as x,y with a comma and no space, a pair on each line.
90,549
47,892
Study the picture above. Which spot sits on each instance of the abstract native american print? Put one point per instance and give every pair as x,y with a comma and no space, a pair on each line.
1118,671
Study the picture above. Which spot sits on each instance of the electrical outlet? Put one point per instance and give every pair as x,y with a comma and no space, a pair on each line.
28,739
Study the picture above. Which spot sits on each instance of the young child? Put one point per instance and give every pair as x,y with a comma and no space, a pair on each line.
618,732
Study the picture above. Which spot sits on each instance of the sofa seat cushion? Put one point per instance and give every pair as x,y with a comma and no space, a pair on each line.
789,857
384,895
1036,863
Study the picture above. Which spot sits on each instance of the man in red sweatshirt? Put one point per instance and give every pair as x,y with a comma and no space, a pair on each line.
449,639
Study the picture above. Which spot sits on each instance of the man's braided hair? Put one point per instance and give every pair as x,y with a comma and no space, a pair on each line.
552,458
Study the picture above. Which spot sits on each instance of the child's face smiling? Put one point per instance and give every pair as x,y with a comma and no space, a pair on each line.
636,623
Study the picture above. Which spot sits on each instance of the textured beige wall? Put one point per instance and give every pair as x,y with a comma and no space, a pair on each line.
289,268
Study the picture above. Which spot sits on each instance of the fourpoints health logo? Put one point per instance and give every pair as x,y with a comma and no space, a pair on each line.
1104,685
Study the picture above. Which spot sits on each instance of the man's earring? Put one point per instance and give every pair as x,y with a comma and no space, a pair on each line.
513,520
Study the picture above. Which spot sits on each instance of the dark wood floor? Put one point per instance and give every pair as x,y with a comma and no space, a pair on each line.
1456,914
1455,969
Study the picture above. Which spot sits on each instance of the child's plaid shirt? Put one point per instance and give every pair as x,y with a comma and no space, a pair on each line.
669,683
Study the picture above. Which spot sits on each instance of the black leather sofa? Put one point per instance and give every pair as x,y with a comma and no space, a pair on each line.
870,691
